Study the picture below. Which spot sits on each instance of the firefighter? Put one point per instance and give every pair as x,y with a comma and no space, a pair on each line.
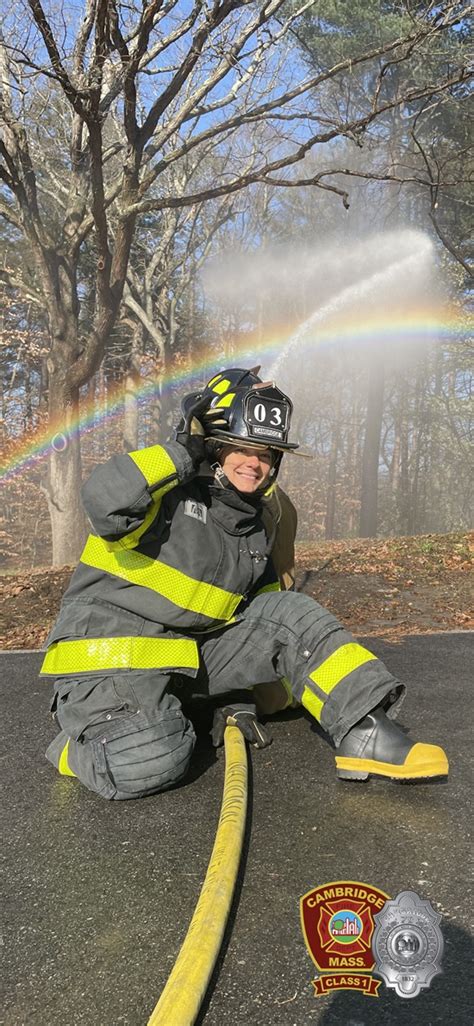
177,592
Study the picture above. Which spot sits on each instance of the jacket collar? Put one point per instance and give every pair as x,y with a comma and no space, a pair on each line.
236,513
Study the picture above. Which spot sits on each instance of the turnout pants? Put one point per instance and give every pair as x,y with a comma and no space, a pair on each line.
125,734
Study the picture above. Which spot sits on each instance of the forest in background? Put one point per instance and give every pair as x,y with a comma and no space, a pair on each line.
153,229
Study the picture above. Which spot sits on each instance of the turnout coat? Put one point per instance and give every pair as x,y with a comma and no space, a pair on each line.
172,556
176,581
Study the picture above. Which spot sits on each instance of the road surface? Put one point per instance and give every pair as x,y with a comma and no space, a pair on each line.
99,894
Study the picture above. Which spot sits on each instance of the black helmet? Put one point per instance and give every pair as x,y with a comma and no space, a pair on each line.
221,383
236,377
255,414
244,409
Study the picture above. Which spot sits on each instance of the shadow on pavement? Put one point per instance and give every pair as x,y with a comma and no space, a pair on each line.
450,999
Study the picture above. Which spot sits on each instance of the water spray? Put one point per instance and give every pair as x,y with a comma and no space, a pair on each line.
406,266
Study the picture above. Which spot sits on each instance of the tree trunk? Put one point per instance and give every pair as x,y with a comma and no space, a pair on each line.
395,462
352,459
132,385
371,451
332,474
130,411
436,476
167,424
64,481
404,489
28,402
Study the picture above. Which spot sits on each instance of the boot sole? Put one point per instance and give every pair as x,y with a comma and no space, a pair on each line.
361,769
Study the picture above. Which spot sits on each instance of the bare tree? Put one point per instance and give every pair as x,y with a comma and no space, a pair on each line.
139,89
160,287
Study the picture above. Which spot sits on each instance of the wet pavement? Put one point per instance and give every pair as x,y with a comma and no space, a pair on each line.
99,895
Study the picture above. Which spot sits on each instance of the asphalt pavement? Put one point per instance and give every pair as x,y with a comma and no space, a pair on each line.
99,894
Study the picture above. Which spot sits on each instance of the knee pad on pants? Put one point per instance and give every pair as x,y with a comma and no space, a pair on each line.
127,736
135,755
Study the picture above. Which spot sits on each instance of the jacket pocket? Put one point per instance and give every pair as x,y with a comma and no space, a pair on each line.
73,622
80,703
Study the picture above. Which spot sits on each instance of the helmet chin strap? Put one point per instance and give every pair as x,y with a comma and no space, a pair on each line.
220,478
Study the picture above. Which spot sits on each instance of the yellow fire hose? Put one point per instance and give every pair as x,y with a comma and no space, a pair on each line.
182,996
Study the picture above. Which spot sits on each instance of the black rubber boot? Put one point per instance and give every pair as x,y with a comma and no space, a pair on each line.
377,746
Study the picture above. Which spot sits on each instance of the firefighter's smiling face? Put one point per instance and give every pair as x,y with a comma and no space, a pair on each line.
246,467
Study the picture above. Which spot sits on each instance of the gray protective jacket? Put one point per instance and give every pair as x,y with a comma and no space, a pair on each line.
173,555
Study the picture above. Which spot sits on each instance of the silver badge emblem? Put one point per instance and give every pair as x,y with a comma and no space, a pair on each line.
407,943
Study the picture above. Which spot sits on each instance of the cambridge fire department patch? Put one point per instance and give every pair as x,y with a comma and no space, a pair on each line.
337,920
352,929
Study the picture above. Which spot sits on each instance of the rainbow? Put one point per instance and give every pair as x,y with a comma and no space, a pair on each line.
443,325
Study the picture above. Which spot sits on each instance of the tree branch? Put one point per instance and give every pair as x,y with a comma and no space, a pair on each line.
434,184
262,111
74,96
356,126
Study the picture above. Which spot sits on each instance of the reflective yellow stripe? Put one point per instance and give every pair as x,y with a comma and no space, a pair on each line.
221,386
63,765
183,591
129,541
269,587
312,703
90,654
154,463
225,401
339,664
291,700
215,627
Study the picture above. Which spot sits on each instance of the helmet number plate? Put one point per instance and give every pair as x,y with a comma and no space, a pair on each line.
267,418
